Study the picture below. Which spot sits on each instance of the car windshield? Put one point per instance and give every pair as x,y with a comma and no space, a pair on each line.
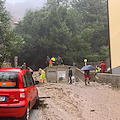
8,80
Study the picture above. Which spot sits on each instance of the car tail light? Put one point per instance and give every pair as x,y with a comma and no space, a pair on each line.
22,94
20,81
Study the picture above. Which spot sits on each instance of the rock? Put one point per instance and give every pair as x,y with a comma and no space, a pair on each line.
92,109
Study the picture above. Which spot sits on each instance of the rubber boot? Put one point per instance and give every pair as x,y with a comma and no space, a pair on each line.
40,80
43,80
85,82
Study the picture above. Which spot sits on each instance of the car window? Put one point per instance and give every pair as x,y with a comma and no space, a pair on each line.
24,81
8,80
28,79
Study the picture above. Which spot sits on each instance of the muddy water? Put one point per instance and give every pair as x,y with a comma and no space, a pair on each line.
77,102
62,104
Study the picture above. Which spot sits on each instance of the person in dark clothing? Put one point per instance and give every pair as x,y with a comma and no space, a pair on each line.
70,75
47,61
74,64
60,61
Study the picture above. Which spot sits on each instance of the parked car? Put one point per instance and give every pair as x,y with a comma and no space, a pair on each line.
18,93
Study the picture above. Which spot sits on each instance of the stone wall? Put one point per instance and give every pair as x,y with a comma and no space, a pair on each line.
112,79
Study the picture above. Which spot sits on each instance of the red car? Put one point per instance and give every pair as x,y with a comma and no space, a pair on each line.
18,93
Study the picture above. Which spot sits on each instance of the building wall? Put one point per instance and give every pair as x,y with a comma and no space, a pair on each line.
114,31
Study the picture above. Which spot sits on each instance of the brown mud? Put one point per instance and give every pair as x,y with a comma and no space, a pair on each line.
78,102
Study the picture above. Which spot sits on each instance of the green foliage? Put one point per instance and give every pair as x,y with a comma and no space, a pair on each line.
74,31
10,41
104,50
60,78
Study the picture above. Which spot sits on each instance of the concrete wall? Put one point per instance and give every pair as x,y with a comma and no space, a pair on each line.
112,79
79,74
116,70
52,76
53,73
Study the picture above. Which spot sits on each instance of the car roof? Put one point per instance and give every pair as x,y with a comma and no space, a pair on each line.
17,70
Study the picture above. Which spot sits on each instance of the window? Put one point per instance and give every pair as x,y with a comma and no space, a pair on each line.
8,80
28,79
24,82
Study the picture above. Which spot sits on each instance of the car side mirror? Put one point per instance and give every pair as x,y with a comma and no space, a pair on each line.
36,82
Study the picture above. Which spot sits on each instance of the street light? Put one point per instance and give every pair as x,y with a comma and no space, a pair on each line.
85,60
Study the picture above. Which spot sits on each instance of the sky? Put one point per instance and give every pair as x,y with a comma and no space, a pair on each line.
15,1
19,1
18,10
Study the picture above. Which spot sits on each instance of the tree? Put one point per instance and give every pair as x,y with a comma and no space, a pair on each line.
73,32
10,41
94,16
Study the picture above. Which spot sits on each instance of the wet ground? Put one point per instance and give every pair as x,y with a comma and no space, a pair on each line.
77,102
63,101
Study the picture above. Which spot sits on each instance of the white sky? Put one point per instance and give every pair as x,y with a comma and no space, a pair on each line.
14,1
19,1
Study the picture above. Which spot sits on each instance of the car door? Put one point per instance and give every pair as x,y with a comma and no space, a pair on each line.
31,89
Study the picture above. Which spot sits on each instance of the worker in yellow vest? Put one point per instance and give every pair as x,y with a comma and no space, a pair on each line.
42,75
97,71
53,60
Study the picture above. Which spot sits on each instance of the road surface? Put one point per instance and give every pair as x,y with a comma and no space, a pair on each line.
77,102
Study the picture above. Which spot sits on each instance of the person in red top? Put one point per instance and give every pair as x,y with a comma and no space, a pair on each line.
86,75
102,66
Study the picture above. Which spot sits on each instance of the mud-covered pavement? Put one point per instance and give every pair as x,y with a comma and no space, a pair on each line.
77,102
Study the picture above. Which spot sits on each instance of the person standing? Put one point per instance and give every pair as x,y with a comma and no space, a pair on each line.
86,75
42,75
47,60
74,64
102,66
24,65
53,60
97,71
30,69
59,60
70,75
50,63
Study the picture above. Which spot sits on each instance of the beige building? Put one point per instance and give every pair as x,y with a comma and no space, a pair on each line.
114,34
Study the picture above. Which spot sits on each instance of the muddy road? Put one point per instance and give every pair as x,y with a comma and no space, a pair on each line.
77,102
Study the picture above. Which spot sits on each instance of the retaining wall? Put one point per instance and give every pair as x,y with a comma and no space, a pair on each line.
111,79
